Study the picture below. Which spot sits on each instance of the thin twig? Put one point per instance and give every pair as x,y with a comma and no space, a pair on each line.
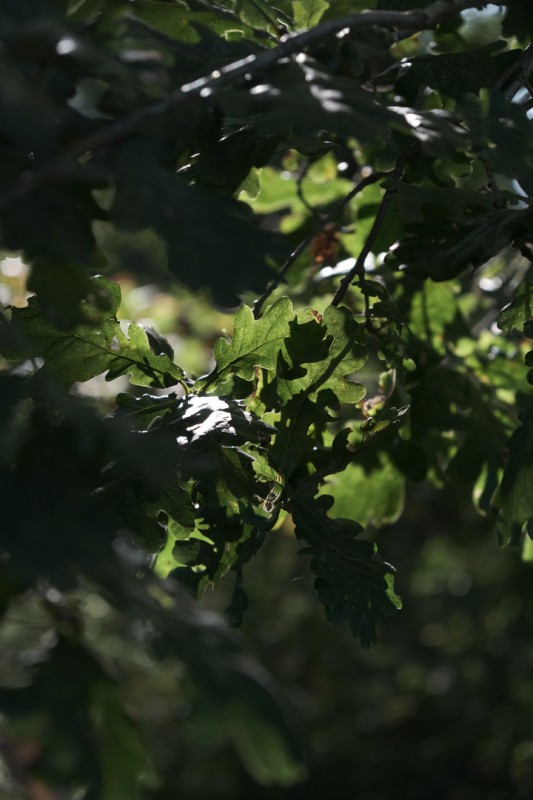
416,20
499,200
370,179
523,66
358,268
314,210
302,172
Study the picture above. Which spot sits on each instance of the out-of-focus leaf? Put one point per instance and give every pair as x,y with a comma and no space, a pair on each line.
450,230
447,400
501,132
120,751
434,314
260,14
308,12
180,23
454,74
513,502
248,708
234,255
519,310
402,5
517,20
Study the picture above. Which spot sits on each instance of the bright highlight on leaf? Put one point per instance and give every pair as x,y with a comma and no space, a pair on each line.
361,176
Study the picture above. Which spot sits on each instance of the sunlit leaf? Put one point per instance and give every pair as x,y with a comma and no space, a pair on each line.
255,343
308,12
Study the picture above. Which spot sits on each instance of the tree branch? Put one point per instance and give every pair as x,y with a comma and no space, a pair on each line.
416,20
358,268
373,178
521,69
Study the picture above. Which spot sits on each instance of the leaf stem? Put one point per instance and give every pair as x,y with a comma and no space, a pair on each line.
370,179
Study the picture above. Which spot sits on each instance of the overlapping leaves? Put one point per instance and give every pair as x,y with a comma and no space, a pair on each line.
89,350
306,360
194,479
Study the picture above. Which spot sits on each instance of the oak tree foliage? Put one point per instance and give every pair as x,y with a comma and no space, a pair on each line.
355,187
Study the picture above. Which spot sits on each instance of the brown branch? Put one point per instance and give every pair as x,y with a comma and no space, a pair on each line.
370,179
358,268
416,20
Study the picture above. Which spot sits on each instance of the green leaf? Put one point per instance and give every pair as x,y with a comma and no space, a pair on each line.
204,421
454,74
140,412
519,310
353,583
120,751
293,441
501,133
373,494
308,13
517,21
180,23
513,502
255,343
87,350
448,230
322,351
260,722
302,98
218,443
150,195
412,202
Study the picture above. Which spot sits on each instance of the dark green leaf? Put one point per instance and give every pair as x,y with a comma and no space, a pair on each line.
86,351
450,230
353,583
513,502
454,74
517,20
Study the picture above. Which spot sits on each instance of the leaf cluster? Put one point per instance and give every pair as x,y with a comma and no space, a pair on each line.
220,150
